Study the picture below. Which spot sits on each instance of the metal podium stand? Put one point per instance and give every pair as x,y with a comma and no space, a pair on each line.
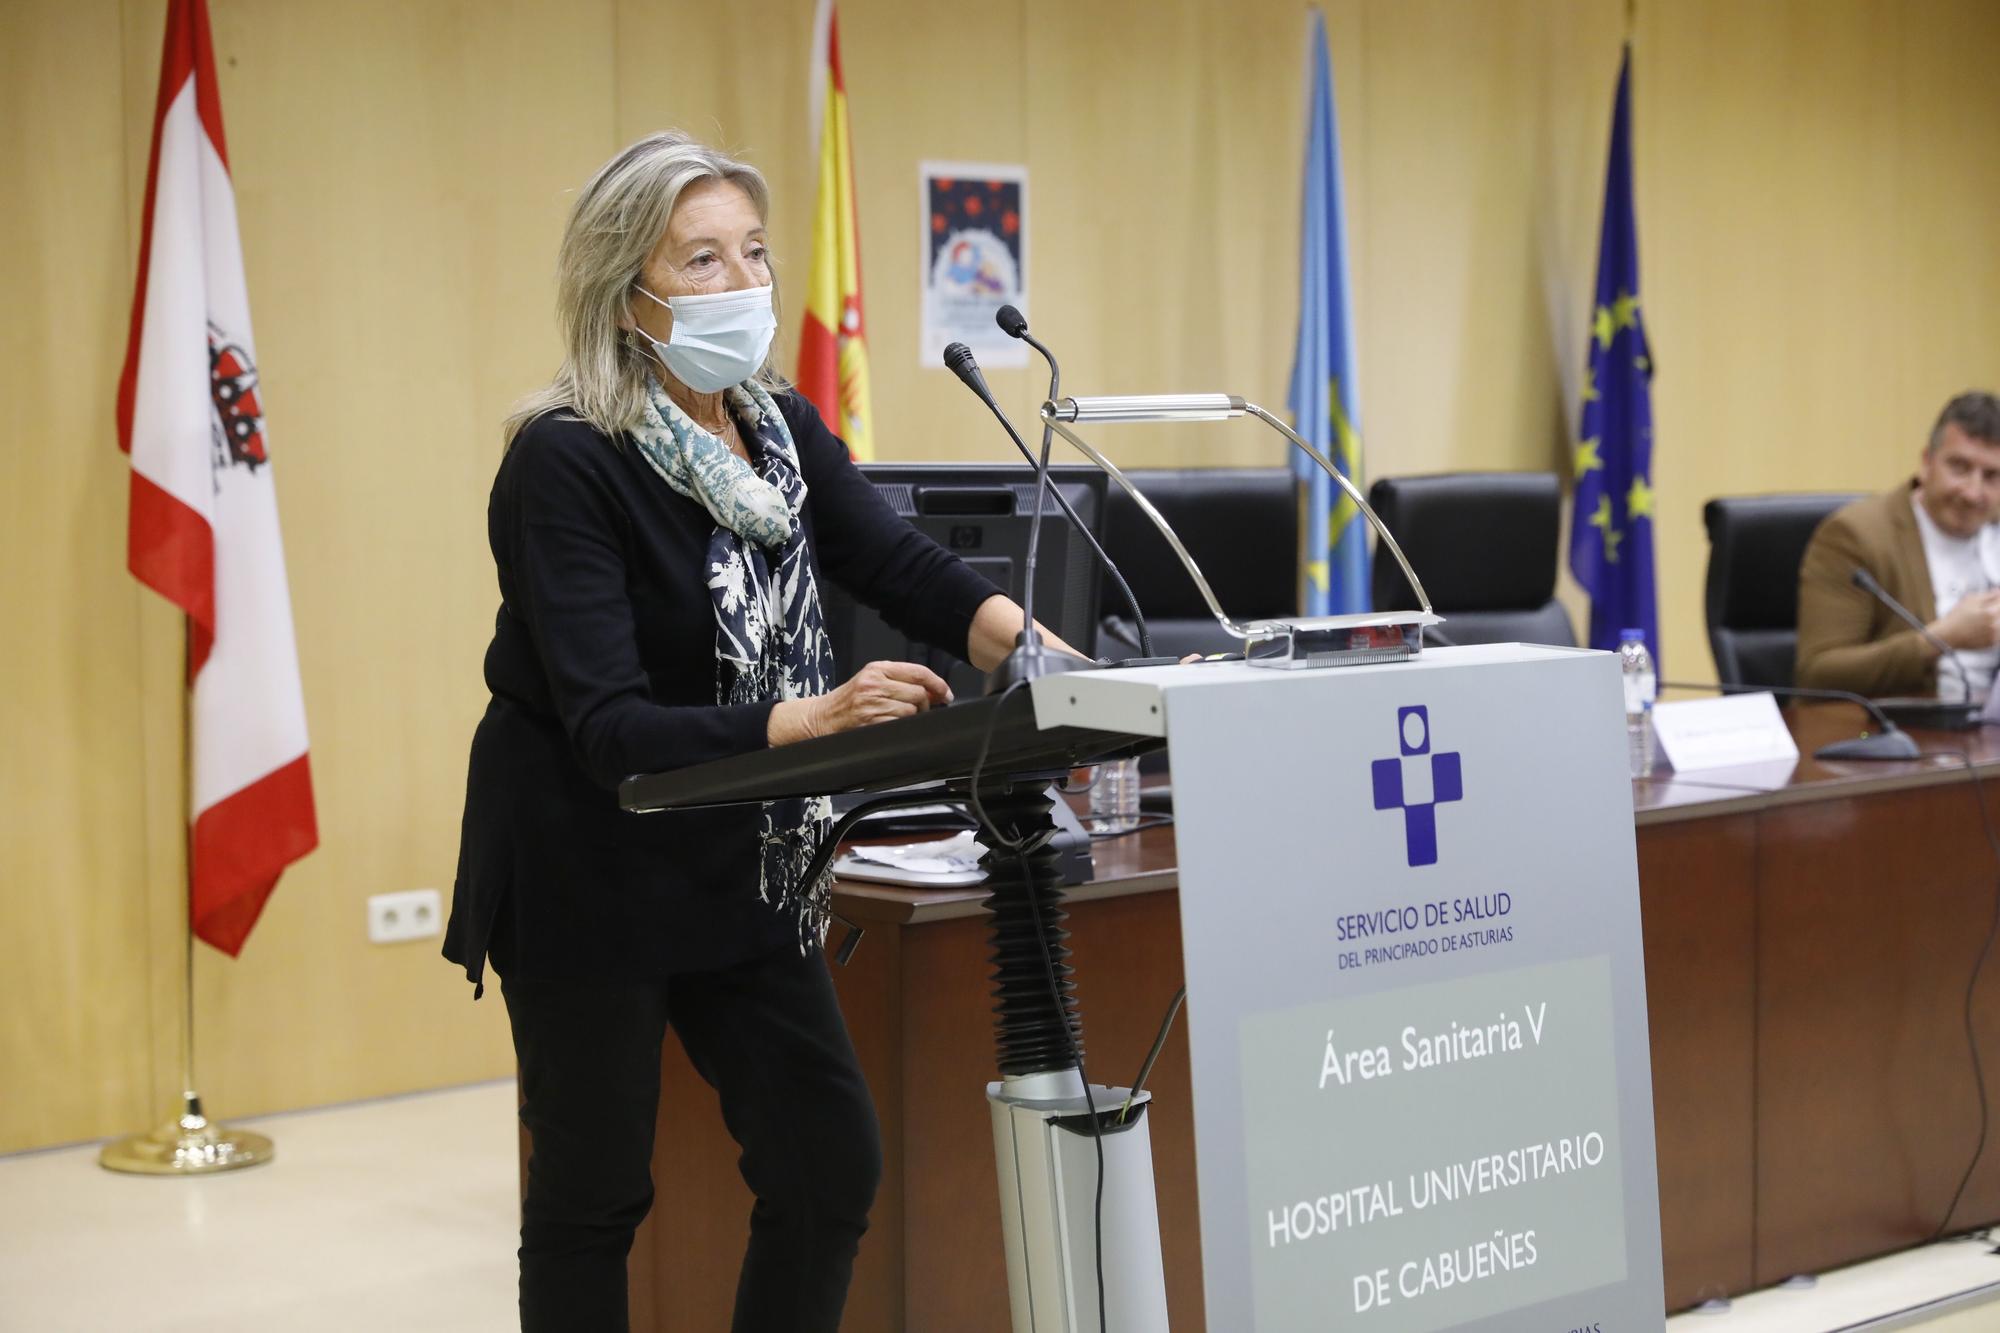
1046,1153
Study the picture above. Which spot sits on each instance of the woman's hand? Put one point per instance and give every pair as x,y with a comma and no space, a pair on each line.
879,692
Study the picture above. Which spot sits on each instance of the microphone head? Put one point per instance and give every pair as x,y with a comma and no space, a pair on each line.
1011,321
1861,578
958,358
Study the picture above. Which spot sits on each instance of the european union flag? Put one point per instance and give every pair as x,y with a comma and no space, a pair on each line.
1611,531
1323,404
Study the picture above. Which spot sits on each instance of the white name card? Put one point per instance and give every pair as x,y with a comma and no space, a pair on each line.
1733,730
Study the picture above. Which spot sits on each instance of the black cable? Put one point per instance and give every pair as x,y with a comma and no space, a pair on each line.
979,762
1153,1054
1048,433
1154,820
1020,850
1972,983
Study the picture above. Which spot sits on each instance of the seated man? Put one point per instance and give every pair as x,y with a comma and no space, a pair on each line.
1933,545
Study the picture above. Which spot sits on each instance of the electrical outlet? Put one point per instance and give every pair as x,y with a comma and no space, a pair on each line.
413,914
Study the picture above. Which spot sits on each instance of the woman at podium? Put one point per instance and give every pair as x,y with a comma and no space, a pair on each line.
660,522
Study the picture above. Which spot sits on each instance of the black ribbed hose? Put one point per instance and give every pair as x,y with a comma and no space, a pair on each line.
1025,897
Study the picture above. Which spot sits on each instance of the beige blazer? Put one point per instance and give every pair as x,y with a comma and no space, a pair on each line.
1848,640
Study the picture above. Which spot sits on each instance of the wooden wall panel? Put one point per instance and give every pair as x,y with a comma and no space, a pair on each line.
400,174
1813,194
1814,270
401,179
74,1044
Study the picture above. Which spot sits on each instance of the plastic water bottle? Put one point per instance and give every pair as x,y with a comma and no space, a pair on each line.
1642,686
1114,797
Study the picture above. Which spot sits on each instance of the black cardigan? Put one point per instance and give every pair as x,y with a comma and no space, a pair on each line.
603,665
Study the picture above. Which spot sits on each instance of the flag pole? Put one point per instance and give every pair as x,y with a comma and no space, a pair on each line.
188,1145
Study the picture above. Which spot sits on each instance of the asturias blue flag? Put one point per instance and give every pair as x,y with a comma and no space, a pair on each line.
1324,406
1611,532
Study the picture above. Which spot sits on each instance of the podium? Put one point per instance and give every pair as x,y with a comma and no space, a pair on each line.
1421,1084
1049,1127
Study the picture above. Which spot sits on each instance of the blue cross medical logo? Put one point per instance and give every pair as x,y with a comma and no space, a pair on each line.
1417,782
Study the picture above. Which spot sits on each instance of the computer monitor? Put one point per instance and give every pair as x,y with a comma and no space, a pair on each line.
982,512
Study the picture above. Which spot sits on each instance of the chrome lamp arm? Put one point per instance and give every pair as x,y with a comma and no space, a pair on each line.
1207,407
1159,521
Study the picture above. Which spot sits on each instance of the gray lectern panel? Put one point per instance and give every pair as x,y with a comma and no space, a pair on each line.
1416,997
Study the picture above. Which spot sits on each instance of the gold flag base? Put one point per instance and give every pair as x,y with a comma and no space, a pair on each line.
189,1146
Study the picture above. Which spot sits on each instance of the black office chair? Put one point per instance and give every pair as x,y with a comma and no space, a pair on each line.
1755,546
1241,525
1484,545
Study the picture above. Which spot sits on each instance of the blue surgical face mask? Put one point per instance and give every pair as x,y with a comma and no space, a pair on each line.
719,339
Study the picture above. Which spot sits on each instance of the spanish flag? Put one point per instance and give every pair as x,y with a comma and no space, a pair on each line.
833,347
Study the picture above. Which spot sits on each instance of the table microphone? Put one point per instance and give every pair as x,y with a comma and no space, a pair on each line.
1891,742
1030,658
1960,716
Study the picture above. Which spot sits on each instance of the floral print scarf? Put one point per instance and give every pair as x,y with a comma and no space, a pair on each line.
770,638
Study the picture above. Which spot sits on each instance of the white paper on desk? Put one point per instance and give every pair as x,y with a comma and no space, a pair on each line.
940,856
1728,732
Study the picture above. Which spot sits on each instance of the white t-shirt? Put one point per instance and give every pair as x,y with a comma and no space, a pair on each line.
1961,567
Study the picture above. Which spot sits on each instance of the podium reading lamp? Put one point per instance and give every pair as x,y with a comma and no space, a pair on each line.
1300,641
1064,1220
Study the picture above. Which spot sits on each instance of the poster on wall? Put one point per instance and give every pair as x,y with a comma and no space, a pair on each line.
975,230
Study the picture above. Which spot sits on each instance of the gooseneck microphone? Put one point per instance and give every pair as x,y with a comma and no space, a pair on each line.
1948,713
1889,742
1030,658
1015,325
958,357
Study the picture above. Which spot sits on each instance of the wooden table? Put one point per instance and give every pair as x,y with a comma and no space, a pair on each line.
1809,942
1809,939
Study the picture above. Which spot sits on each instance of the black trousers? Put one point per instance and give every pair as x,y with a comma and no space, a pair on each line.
767,1035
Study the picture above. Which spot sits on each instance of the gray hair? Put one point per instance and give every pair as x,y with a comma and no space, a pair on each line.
618,218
